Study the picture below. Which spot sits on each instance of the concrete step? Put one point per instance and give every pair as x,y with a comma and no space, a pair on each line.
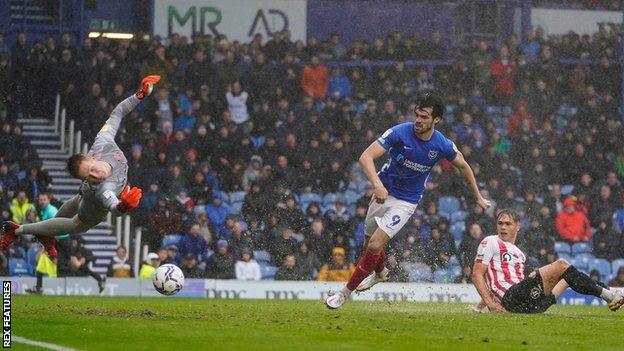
58,174
55,151
39,134
65,181
37,127
53,156
53,163
53,167
35,121
99,232
53,143
102,261
100,238
104,253
99,269
100,246
64,187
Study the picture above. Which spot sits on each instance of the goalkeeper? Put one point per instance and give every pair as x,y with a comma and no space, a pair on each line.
103,171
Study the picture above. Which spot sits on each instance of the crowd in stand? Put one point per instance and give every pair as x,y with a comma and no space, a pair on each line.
238,137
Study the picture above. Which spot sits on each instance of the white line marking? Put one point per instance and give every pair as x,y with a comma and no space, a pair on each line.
44,345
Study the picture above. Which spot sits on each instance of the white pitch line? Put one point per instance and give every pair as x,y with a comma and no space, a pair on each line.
44,345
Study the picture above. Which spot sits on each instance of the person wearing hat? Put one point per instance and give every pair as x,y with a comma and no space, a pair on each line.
247,268
338,270
572,224
253,173
149,266
221,264
190,269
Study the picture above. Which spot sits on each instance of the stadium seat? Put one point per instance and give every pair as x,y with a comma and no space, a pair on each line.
262,256
18,266
458,229
453,261
601,265
306,198
448,204
258,141
566,256
458,216
363,185
616,264
562,247
351,197
582,260
456,272
445,215
578,248
618,221
235,208
237,196
567,189
442,276
421,275
171,239
329,199
268,272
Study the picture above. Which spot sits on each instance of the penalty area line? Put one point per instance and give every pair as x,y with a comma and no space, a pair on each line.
43,345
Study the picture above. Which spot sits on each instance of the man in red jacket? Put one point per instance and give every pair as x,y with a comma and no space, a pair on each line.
314,79
572,224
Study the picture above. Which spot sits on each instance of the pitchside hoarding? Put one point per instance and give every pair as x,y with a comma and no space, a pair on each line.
237,19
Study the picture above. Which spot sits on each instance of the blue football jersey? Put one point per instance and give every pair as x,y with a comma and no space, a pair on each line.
410,160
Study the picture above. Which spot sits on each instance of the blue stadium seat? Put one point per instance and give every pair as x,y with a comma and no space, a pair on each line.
306,198
566,256
601,265
567,189
351,197
578,248
421,275
235,208
445,215
616,264
262,256
456,271
171,239
362,186
237,196
448,204
258,141
562,247
458,216
453,261
582,260
268,272
458,229
442,276
18,266
618,221
329,199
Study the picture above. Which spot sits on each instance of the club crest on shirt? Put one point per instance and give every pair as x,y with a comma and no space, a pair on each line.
507,257
118,156
432,154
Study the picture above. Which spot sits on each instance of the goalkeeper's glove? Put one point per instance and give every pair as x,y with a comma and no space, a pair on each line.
129,199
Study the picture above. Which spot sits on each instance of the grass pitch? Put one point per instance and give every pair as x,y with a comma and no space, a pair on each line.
87,323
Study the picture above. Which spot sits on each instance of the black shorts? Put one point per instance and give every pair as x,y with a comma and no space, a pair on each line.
528,296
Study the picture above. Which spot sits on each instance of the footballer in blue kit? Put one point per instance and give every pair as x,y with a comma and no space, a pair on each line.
413,148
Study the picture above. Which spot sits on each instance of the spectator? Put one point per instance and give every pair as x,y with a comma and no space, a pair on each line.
319,239
396,273
339,84
618,280
8,179
35,183
247,268
221,264
217,213
120,266
439,248
338,270
162,220
503,73
283,245
46,209
75,261
308,263
237,103
20,206
149,266
606,242
288,270
572,224
314,79
517,119
190,269
192,242
469,245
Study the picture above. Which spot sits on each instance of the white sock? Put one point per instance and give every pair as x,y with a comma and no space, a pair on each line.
346,291
607,295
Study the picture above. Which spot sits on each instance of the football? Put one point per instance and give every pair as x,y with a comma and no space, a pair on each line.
168,279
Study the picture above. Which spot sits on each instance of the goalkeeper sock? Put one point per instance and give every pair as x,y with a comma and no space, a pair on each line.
581,282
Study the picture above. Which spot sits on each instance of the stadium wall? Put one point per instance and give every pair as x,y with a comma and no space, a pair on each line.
271,290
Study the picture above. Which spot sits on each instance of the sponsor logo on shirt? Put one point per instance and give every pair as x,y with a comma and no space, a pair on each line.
411,164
